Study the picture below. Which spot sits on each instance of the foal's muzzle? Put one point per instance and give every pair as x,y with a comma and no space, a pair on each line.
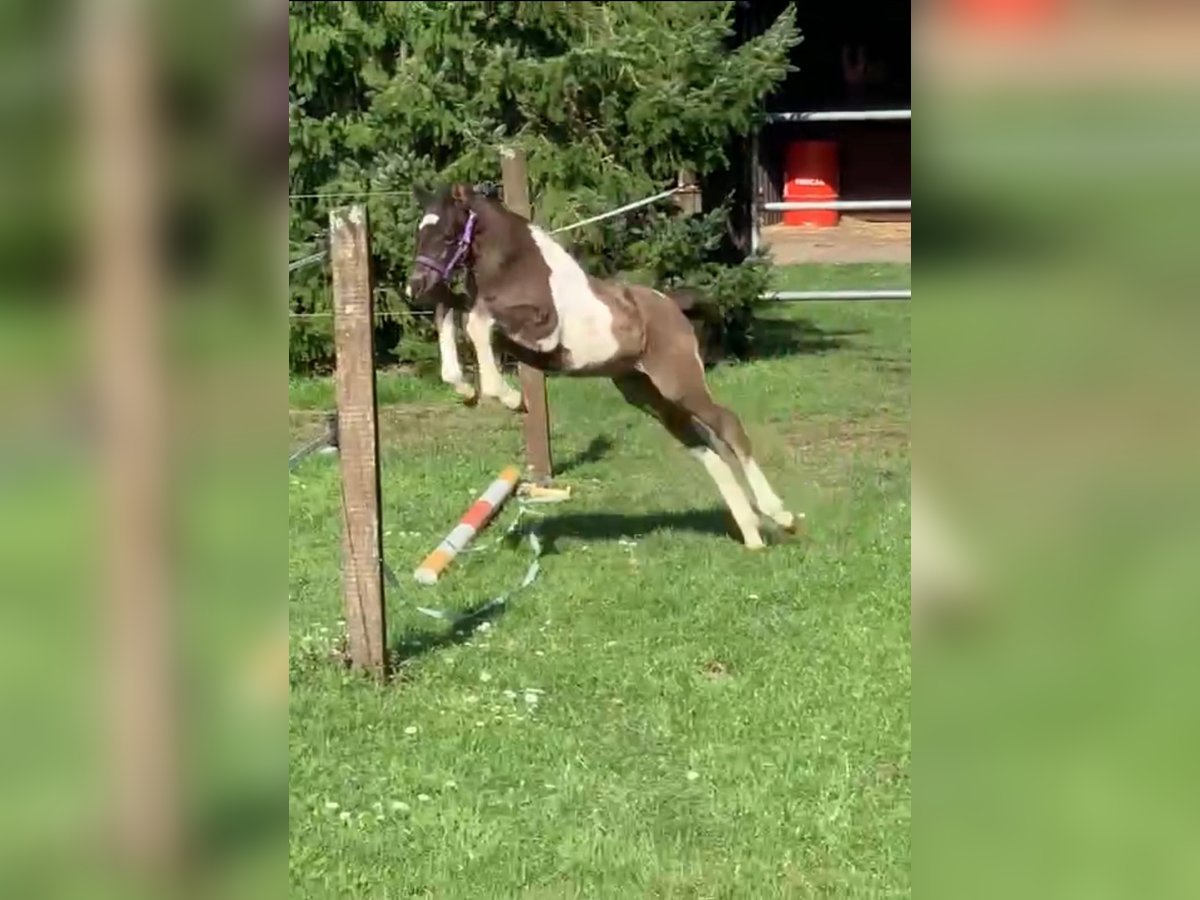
421,281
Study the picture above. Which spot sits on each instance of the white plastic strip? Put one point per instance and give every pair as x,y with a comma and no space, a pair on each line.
844,205
886,294
861,115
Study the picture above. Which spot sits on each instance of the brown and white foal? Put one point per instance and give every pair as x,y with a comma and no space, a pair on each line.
551,315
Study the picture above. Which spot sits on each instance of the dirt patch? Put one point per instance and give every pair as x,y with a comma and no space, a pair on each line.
852,436
715,670
413,424
853,241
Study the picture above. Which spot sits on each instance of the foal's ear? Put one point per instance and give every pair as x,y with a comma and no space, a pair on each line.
462,192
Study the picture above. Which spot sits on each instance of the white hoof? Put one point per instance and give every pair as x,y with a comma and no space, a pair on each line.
788,521
464,390
754,542
511,399
792,524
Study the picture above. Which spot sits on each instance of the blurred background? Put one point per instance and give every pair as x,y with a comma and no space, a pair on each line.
142,364
1056,437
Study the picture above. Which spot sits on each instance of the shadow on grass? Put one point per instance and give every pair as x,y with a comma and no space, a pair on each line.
774,338
613,526
593,452
414,643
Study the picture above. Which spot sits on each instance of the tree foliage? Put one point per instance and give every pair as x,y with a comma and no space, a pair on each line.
609,100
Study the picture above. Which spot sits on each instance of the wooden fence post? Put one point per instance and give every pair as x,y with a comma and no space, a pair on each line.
539,466
689,198
358,439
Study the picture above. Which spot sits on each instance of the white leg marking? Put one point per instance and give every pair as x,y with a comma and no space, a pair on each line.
585,323
491,379
448,349
734,496
452,372
768,501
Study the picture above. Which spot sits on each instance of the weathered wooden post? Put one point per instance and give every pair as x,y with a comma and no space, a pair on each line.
539,466
688,199
358,439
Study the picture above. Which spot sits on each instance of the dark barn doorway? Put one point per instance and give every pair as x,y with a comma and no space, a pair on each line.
856,55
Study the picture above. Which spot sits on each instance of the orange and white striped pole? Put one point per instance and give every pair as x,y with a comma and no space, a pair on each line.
472,522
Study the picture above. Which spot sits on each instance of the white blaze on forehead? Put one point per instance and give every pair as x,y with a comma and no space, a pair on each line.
585,323
428,219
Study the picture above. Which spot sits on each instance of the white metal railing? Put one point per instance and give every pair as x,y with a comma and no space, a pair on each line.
757,207
845,205
885,294
863,115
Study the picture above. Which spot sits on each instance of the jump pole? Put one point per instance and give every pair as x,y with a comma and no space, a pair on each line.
472,522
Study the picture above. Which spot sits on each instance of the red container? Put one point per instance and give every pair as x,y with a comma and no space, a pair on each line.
1009,15
811,173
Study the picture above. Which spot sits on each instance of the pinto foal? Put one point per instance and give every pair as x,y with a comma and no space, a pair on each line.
554,317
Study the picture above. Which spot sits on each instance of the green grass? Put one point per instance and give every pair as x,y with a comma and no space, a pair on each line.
712,722
869,276
392,387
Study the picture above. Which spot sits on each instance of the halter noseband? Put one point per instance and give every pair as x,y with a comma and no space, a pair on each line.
445,270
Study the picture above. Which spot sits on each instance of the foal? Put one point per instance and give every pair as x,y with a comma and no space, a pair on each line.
552,316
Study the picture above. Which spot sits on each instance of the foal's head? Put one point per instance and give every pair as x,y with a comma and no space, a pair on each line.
444,236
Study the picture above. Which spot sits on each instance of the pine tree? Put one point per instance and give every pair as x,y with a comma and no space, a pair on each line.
610,101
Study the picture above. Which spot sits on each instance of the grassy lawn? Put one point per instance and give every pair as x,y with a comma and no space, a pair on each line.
870,276
661,713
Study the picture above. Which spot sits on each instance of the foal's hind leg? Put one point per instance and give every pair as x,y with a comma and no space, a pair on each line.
639,390
681,379
729,430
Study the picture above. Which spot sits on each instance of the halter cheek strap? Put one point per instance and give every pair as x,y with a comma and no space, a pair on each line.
445,270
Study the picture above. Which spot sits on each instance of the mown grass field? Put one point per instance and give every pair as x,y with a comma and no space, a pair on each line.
661,713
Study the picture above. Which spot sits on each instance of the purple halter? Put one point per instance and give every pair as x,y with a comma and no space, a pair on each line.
464,244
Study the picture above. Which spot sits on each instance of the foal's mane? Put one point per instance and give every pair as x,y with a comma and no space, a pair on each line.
502,228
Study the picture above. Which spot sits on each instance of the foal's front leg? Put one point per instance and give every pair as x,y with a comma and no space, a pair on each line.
491,379
452,373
